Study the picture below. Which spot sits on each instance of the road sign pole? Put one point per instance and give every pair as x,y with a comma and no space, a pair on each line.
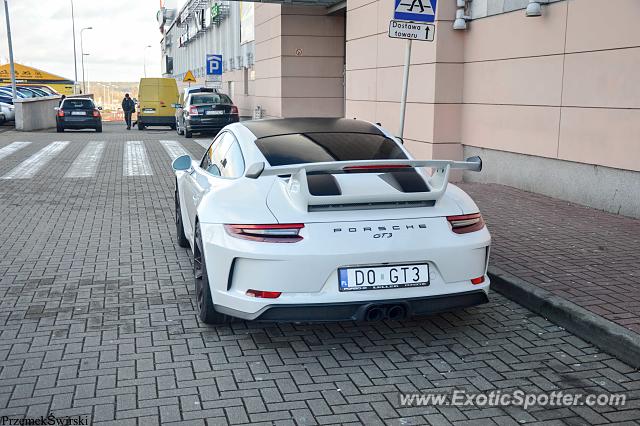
11,65
405,87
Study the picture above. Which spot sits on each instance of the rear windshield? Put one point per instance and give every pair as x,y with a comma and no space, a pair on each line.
210,98
77,104
318,147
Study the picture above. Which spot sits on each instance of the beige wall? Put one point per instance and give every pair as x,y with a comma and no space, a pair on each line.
559,86
299,61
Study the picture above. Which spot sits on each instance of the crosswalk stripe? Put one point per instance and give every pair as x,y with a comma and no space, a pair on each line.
174,149
11,148
86,163
136,160
31,165
205,143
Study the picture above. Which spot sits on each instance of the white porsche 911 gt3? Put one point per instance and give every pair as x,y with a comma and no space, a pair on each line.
318,219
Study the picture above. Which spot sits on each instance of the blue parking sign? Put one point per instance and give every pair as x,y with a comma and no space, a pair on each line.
214,64
415,10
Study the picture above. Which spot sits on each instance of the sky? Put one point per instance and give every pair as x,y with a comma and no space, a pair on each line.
42,37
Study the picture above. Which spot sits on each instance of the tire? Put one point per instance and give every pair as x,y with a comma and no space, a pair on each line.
204,303
178,131
182,238
187,133
141,126
173,126
99,129
59,129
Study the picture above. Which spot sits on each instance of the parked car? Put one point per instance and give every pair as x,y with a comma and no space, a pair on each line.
46,89
78,113
194,89
6,91
205,112
316,219
157,97
7,110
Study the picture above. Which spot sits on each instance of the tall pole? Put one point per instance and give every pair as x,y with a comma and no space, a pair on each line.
11,65
405,86
75,55
84,88
145,59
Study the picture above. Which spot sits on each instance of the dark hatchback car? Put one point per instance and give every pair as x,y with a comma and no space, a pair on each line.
205,112
78,113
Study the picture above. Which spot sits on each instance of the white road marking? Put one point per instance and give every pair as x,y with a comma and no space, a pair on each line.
174,149
31,165
86,163
11,148
205,143
136,162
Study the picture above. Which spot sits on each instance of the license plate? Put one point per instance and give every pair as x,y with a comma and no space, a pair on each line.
78,113
149,110
382,277
215,112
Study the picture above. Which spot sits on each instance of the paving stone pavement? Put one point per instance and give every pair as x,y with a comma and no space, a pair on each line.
97,319
586,256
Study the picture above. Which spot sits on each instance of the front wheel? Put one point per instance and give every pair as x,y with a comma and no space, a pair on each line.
206,312
177,127
187,133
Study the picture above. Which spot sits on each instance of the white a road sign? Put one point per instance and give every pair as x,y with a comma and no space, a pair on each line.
411,30
415,10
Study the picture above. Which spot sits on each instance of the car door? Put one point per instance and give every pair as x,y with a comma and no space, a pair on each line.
197,182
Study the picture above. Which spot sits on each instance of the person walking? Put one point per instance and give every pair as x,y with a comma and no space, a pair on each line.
128,106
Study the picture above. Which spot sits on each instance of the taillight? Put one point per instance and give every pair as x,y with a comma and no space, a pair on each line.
466,223
276,233
234,109
96,113
193,110
60,113
263,294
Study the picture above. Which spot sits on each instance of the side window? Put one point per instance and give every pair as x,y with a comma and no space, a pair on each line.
233,161
208,163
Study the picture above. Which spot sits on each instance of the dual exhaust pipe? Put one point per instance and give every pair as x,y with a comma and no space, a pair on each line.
380,312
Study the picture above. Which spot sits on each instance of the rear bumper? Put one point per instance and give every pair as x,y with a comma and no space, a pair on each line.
200,124
151,120
357,311
86,123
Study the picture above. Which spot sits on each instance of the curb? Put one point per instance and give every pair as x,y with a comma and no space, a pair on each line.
612,338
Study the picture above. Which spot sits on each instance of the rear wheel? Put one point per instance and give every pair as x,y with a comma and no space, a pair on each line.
99,129
182,238
59,129
141,126
206,312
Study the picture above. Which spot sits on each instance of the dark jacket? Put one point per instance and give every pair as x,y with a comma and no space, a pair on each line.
128,105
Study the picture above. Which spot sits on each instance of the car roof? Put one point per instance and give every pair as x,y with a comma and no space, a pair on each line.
288,126
78,99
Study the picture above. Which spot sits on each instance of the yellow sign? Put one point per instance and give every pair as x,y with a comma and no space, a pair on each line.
189,78
29,76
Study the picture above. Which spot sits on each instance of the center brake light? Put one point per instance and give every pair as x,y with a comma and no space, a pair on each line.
377,167
466,223
272,233
193,110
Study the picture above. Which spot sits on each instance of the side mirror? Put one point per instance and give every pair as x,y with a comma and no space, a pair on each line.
99,108
181,164
56,109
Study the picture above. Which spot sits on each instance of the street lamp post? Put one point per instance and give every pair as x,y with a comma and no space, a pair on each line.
75,55
145,59
88,88
11,65
84,88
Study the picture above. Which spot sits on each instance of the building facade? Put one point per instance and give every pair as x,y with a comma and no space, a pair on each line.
550,102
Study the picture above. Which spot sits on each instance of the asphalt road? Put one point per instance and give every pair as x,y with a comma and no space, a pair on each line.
97,318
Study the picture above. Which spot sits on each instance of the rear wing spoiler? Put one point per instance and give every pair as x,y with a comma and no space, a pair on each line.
298,187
